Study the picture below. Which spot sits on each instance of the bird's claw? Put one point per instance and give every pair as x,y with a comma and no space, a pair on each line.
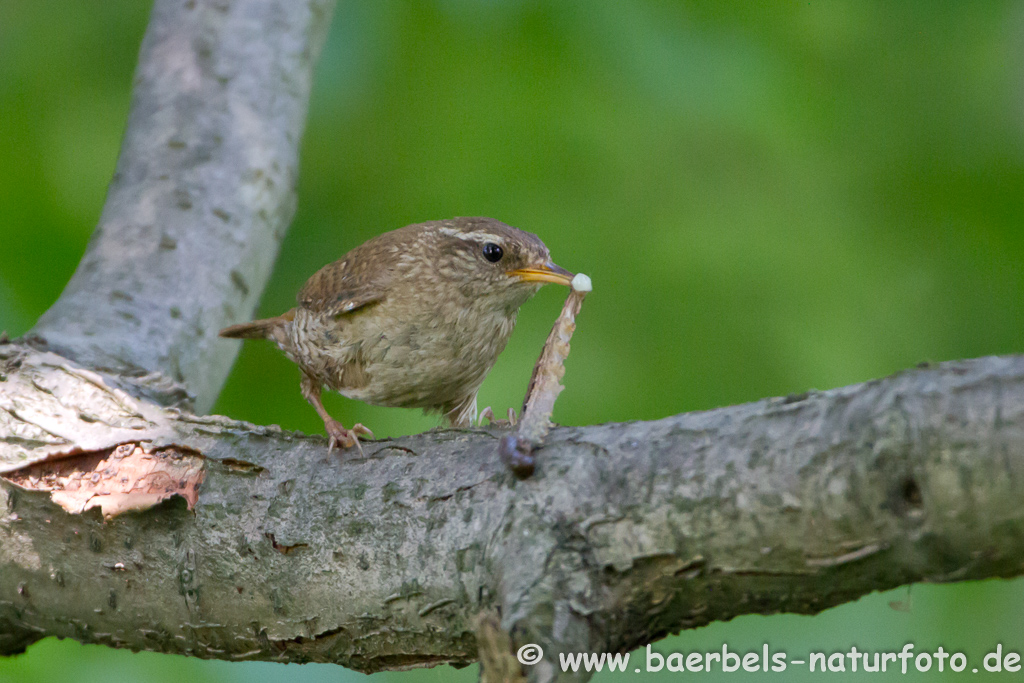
488,414
345,438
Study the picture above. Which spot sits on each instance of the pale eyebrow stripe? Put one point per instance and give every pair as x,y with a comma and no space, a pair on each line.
470,236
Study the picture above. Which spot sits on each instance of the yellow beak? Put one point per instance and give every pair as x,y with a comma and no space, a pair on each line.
547,272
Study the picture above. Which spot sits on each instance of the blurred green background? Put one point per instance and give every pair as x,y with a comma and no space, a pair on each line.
769,198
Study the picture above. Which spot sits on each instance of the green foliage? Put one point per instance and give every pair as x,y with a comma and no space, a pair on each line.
769,198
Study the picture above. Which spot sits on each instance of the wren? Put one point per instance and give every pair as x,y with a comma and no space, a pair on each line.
413,318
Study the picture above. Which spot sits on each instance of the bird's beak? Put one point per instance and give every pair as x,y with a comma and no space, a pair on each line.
547,272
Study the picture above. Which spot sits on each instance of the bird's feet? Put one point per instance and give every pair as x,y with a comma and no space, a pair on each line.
488,414
345,438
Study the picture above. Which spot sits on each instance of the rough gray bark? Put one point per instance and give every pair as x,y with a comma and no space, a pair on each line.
627,532
203,193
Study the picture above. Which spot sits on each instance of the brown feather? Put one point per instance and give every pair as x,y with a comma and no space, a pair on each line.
257,329
355,280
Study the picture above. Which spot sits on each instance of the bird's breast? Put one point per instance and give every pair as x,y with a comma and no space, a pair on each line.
396,354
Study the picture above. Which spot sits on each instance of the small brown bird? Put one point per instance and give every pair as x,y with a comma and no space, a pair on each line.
414,318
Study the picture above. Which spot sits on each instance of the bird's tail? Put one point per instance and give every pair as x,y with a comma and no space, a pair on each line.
258,329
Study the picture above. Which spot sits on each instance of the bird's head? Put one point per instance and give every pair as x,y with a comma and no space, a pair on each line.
485,258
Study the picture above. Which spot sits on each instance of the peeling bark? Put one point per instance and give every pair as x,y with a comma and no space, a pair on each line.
128,477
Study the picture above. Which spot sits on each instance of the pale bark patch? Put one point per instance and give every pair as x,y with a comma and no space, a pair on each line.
128,477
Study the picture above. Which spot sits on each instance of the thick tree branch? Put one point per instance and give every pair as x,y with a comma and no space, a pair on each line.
626,533
202,196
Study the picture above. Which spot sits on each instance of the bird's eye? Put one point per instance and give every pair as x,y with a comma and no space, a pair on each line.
492,252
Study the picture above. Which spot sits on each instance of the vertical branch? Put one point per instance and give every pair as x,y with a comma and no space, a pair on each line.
203,193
